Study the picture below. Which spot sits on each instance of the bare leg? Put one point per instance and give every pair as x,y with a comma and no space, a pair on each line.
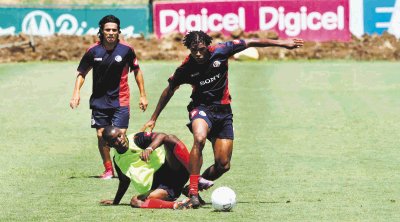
157,199
200,130
103,148
222,156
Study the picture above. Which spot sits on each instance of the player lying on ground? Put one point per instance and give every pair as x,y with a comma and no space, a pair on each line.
157,174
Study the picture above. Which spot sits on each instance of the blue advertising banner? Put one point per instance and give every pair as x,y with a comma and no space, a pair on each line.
382,15
71,20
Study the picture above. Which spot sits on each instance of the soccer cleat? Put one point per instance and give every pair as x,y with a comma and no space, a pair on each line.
204,184
202,202
108,174
185,192
194,201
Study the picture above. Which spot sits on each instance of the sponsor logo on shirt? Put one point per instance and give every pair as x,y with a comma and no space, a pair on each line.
193,113
216,64
210,80
98,59
118,58
194,74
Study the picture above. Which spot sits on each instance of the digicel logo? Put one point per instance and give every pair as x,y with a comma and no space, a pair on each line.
292,23
214,22
295,22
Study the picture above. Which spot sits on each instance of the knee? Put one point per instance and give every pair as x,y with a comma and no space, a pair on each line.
223,166
99,134
172,137
200,141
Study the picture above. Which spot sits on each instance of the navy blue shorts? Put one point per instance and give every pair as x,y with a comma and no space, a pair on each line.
118,117
170,180
218,118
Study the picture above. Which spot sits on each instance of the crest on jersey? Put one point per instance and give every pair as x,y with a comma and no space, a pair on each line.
216,64
118,58
236,41
202,113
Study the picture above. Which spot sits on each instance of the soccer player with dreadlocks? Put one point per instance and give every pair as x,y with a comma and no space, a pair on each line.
111,61
210,114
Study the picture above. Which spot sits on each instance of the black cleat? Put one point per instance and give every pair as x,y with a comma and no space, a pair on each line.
194,200
202,202
185,191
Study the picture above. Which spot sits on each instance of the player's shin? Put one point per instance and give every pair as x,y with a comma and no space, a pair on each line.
182,154
158,204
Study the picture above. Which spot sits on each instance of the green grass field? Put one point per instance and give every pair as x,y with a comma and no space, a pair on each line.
315,141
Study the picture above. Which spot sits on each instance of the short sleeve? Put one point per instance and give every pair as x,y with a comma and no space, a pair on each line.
180,75
132,60
236,46
86,63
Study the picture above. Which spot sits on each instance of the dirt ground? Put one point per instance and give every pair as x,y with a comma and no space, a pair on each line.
64,48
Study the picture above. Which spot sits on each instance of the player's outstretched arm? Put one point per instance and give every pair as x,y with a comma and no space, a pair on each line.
74,102
285,43
123,186
162,102
140,83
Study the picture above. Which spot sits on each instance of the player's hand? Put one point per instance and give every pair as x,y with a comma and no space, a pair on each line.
107,202
143,103
74,103
145,155
292,43
150,124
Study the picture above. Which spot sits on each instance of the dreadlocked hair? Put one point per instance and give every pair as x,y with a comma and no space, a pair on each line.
103,21
195,37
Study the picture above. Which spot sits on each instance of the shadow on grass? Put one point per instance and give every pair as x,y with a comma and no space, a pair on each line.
90,177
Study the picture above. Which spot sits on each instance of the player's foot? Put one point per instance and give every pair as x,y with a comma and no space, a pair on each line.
185,192
183,205
204,184
108,174
194,200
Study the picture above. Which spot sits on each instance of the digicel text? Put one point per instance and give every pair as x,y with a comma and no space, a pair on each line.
292,23
207,22
295,22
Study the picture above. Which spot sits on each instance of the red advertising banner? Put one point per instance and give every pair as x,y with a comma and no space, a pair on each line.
314,20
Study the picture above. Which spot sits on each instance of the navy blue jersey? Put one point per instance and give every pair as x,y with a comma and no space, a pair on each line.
209,80
110,74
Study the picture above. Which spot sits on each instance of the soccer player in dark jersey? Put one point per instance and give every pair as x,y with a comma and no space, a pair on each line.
111,61
157,174
210,114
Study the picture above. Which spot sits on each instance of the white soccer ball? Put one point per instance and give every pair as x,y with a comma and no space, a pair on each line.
223,199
